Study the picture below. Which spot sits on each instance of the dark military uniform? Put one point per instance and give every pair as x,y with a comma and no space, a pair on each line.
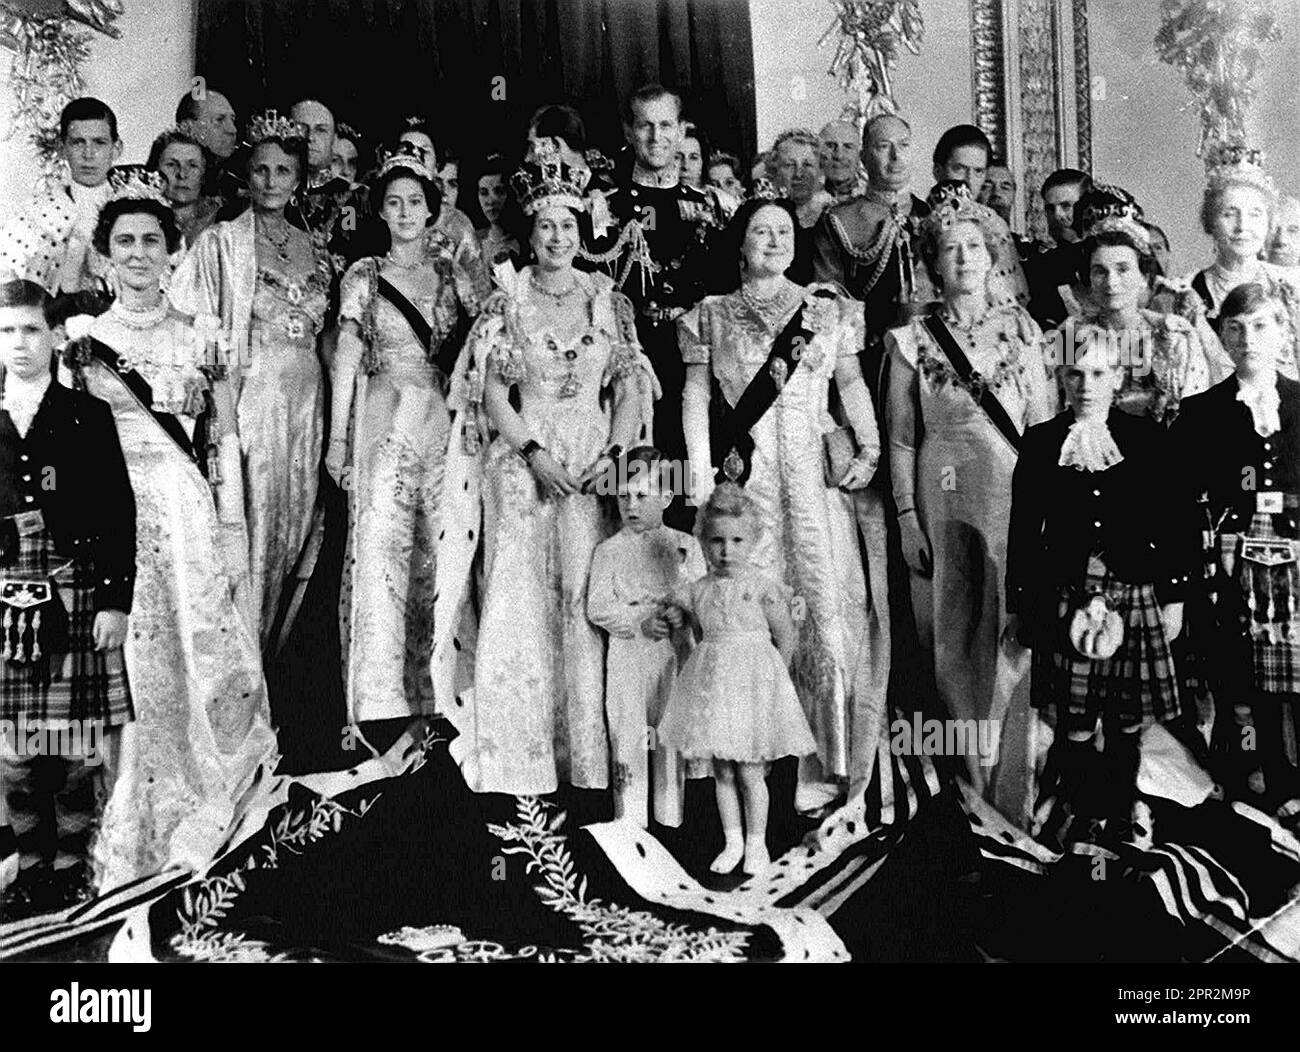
679,224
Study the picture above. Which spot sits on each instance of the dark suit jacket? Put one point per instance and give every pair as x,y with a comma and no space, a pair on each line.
70,466
1222,455
1134,515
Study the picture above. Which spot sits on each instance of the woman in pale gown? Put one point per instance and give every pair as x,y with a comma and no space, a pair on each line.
951,467
810,537
261,288
202,730
389,428
566,342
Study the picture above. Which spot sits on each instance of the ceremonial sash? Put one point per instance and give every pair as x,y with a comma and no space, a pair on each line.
987,400
444,355
730,442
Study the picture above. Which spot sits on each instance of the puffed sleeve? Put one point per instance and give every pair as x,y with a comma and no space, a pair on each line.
853,327
627,362
354,292
1040,395
491,342
693,337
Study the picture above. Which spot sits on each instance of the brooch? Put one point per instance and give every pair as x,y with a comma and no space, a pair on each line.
779,371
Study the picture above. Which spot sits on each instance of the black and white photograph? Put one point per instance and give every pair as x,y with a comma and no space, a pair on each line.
637,481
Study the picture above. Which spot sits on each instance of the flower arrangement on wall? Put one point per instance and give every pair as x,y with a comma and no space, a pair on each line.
1217,46
50,45
868,35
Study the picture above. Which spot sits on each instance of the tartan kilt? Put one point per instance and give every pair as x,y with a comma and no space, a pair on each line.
81,684
1138,682
1260,607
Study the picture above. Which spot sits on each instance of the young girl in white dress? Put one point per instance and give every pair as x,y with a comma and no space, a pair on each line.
734,702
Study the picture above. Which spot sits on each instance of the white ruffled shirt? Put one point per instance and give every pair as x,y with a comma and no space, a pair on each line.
1262,401
1089,446
22,398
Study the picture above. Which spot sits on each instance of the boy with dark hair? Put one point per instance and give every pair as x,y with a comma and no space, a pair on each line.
48,241
67,571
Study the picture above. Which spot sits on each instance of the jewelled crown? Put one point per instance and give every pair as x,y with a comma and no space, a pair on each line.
1112,208
546,181
951,203
132,182
271,125
765,190
406,155
1235,163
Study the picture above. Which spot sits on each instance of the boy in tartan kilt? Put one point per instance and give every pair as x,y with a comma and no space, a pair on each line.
1239,445
67,571
1102,550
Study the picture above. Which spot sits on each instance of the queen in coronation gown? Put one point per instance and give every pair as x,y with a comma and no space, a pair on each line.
261,288
202,732
529,705
810,540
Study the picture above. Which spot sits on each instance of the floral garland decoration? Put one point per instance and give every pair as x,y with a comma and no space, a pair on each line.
46,71
1216,44
870,33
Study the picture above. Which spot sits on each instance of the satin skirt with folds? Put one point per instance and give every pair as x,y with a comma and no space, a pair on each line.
963,472
811,542
537,717
386,610
281,414
202,729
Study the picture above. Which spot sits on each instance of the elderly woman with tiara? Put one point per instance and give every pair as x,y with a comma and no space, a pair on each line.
550,388
202,728
1237,212
389,428
259,288
963,385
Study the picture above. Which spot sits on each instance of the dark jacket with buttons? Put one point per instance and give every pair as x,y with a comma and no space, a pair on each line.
70,466
1223,456
1134,516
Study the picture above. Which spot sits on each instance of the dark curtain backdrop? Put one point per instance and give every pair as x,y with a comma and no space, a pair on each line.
373,61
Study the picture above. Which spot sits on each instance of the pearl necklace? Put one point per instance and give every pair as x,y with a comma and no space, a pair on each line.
392,261
140,317
770,308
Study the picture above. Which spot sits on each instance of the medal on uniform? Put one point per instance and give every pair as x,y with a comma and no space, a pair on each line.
29,522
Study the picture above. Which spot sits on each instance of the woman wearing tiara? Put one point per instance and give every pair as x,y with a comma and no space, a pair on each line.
964,384
1237,213
761,365
202,729
1165,357
389,429
565,344
259,287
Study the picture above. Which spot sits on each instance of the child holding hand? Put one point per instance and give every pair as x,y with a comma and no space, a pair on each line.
633,575
734,701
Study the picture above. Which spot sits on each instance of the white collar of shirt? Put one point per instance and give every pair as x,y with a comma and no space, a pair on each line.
22,398
1262,400
1089,446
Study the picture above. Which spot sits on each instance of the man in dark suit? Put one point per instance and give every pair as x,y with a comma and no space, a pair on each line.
1239,446
67,572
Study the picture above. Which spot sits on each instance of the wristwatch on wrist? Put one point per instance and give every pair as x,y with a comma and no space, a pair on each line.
530,449
613,452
